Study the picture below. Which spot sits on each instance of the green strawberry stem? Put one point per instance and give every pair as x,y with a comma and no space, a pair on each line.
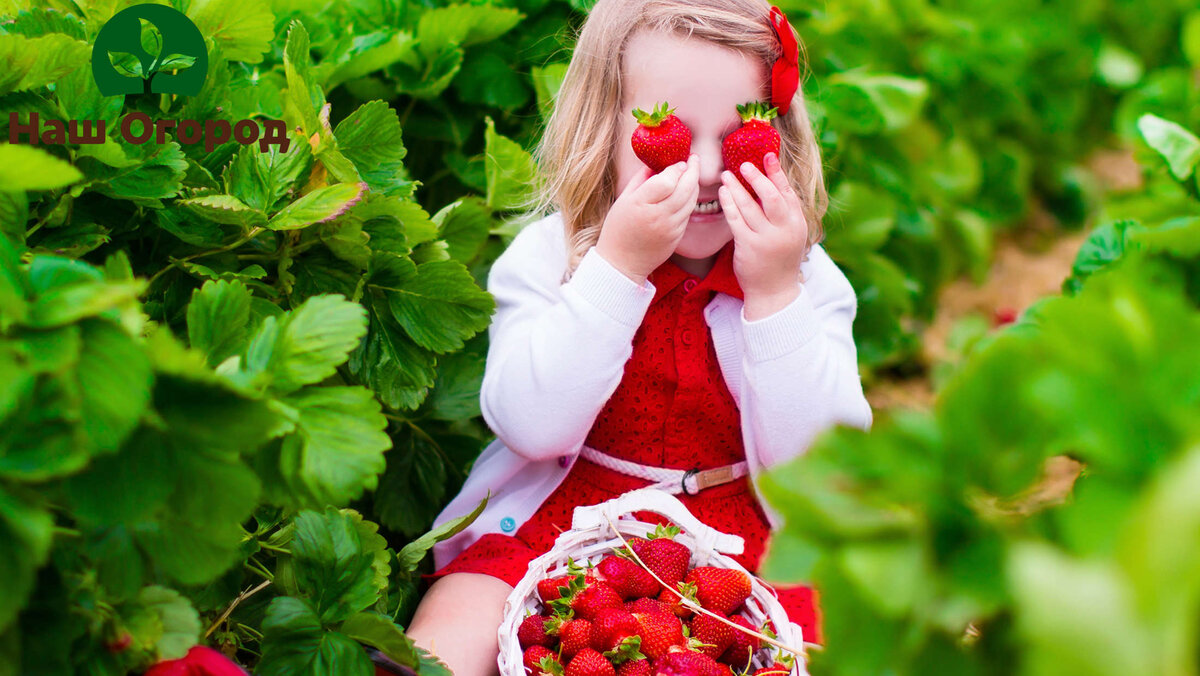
696,607
654,118
757,110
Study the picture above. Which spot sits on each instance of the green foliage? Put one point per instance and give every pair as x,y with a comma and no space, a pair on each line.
936,545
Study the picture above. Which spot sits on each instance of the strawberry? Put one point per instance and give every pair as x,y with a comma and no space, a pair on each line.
534,660
550,588
660,139
611,626
750,142
575,635
744,646
714,635
777,669
590,663
685,663
659,633
668,559
724,670
628,578
597,596
645,605
675,605
721,590
635,668
533,632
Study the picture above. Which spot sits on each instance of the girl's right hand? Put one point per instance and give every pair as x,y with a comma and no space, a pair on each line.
649,217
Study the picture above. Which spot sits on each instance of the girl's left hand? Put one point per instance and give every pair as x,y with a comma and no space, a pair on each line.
770,241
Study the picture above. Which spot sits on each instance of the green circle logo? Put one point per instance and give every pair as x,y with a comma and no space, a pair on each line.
148,49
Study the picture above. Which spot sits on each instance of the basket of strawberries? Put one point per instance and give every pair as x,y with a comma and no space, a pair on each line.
616,596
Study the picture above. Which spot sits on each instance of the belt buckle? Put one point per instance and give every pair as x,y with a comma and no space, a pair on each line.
707,478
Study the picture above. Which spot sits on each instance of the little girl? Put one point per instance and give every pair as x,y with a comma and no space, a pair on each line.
652,324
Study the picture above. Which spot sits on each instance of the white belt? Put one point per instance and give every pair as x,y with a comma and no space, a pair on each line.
689,481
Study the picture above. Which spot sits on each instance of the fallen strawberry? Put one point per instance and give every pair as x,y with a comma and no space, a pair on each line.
752,141
660,139
721,590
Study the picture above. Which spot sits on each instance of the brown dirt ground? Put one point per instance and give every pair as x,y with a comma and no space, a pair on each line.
1030,262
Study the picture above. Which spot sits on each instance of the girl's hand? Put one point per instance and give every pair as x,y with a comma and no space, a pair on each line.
648,218
770,241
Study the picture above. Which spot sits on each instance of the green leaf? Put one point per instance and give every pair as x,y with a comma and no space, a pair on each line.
388,361
218,320
428,82
332,564
437,303
128,487
158,173
414,552
126,64
337,449
177,623
381,632
26,168
1177,145
547,81
870,103
456,396
309,343
864,218
1190,36
175,62
242,29
1118,67
261,179
487,78
37,21
304,97
464,225
14,216
294,642
70,303
445,28
34,62
151,39
511,172
370,137
26,533
365,54
318,206
223,209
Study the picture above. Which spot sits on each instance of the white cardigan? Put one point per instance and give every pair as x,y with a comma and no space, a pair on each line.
558,351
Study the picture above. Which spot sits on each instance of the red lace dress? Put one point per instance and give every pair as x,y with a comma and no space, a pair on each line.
672,409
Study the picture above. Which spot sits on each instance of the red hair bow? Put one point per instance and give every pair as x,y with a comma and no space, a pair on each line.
785,75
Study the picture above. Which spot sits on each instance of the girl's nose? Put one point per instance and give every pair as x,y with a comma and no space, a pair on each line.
711,163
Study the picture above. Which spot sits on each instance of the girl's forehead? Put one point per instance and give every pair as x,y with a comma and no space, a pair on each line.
704,81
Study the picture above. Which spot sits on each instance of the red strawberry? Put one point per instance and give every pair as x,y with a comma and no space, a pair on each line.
661,139
548,589
628,578
668,559
749,143
635,668
724,670
744,646
590,663
611,626
715,635
674,604
647,606
575,635
659,633
1003,315
721,590
597,596
685,663
534,664
777,669
533,632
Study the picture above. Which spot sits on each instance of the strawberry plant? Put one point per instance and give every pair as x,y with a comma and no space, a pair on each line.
935,543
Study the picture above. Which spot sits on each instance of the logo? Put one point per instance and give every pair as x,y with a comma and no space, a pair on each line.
150,49
138,48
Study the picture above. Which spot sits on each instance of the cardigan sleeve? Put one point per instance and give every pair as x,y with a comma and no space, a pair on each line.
557,351
800,366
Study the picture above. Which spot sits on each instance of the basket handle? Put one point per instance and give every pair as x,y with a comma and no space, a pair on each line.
654,500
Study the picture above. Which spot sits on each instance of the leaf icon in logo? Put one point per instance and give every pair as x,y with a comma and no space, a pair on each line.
176,62
126,64
152,40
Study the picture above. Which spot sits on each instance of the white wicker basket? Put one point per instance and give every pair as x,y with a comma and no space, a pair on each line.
591,537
